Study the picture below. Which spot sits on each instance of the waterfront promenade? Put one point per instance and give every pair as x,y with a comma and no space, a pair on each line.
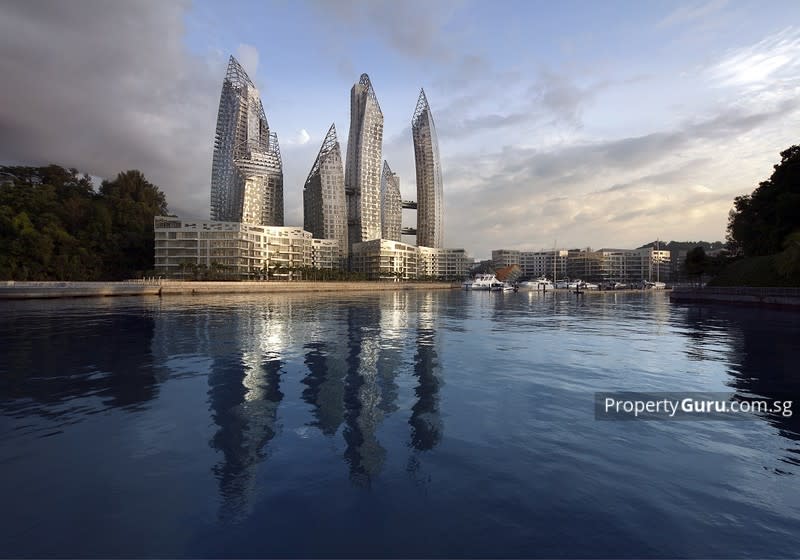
47,290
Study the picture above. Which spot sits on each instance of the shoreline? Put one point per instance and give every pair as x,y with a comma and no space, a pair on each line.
777,298
13,290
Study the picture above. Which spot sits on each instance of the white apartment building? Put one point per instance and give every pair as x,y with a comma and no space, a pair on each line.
648,264
384,259
446,264
613,265
533,263
326,253
236,249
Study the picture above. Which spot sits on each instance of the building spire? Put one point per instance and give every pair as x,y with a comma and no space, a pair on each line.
329,143
422,107
365,81
236,74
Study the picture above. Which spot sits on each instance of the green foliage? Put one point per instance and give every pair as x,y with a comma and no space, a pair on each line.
760,222
762,272
696,262
787,263
54,226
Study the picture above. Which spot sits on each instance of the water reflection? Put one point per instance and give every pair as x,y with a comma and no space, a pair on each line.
65,361
760,346
244,395
363,413
325,385
355,385
425,421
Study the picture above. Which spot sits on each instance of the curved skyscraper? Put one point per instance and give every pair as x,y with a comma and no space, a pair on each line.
363,167
247,172
430,196
324,204
391,204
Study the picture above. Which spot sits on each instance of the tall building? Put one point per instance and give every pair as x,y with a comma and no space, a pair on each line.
247,172
324,204
391,204
430,196
363,167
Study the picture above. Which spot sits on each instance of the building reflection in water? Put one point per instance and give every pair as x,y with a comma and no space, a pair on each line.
364,453
244,395
425,421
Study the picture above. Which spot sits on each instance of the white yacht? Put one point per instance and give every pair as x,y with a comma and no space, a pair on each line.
537,285
484,282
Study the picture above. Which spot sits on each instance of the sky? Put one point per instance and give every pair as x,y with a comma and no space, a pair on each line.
570,124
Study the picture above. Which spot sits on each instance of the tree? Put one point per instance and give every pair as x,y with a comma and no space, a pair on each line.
696,263
54,226
761,222
133,202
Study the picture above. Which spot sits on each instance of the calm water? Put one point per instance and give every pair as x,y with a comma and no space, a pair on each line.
396,424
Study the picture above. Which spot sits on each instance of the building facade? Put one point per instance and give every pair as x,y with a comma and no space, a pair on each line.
533,264
443,264
233,249
382,259
619,265
649,264
326,253
430,193
246,171
363,166
324,203
391,204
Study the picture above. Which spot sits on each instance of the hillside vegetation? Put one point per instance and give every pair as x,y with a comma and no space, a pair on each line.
55,226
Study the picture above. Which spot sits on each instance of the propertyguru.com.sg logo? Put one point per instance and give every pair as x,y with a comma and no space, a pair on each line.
687,406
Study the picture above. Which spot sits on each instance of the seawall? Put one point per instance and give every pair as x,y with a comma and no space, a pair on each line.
47,290
763,297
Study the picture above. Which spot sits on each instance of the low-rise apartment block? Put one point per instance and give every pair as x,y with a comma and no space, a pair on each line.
236,249
603,265
384,259
533,263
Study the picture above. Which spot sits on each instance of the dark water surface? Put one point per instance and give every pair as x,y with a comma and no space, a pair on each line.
390,424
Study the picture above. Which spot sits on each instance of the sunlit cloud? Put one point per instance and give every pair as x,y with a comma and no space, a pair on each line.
758,65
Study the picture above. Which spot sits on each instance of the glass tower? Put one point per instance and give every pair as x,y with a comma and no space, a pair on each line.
430,196
363,167
324,204
246,172
391,204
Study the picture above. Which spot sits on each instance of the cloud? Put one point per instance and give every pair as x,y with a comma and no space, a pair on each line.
561,96
760,65
247,55
106,87
300,138
689,13
552,99
616,192
413,28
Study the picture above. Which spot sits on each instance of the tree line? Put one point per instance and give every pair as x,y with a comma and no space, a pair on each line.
54,225
763,233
